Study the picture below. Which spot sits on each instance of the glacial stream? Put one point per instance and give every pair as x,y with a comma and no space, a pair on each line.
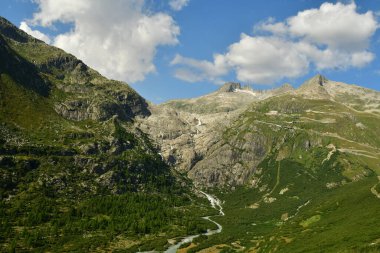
215,203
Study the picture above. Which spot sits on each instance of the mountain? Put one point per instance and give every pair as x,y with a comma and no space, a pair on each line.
75,173
88,165
315,88
355,97
200,133
185,129
229,97
295,167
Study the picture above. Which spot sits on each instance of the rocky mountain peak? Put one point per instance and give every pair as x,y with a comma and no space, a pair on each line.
317,80
314,88
320,80
230,87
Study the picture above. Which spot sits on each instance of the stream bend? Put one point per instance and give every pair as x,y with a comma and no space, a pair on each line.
216,204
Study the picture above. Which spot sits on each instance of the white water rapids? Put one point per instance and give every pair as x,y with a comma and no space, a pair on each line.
215,203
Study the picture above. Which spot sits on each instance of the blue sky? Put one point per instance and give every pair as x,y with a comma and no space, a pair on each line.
186,48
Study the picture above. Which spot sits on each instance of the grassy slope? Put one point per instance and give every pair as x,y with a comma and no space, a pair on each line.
339,212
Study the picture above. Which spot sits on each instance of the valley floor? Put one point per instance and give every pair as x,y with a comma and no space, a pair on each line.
307,219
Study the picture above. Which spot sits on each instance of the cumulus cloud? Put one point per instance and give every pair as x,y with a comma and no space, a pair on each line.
334,59
197,70
269,25
35,33
264,60
338,26
178,5
118,38
334,36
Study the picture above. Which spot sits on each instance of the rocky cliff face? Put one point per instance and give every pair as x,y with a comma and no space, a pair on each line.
191,135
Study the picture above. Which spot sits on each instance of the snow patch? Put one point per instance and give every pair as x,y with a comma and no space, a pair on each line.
246,91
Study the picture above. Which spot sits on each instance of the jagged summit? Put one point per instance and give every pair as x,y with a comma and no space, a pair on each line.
230,87
317,80
314,88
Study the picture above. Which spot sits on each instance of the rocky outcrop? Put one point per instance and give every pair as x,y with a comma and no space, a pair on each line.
230,87
230,164
94,109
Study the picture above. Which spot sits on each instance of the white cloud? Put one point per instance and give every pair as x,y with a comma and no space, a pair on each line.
334,59
271,26
265,60
334,36
189,76
196,70
35,33
178,5
338,26
117,38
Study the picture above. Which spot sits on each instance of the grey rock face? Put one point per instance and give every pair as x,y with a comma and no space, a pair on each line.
194,143
231,163
74,110
103,106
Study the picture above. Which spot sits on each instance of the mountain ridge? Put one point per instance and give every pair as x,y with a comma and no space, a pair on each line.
204,118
